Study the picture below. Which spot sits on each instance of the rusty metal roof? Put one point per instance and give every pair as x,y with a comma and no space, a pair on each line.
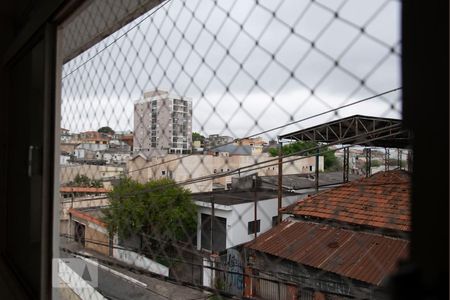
367,257
380,201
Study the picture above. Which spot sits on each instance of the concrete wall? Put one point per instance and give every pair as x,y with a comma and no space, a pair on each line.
197,166
97,238
68,172
81,202
140,261
238,216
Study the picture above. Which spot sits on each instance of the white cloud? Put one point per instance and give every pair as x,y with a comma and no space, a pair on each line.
245,84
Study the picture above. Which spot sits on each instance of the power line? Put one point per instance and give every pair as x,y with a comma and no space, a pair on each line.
117,38
274,128
275,160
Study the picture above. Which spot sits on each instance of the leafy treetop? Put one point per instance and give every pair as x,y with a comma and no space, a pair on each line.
309,148
106,129
197,137
85,181
157,208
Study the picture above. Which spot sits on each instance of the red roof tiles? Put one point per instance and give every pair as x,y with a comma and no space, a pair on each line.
380,201
362,256
86,216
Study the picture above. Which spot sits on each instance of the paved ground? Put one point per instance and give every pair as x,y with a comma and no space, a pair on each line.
120,283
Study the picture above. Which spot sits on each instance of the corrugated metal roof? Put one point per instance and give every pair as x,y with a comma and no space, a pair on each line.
362,256
380,201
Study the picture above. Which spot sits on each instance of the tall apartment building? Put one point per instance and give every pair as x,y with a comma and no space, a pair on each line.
162,124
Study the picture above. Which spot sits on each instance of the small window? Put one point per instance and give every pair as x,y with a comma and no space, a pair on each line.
215,171
274,221
310,168
251,226
163,173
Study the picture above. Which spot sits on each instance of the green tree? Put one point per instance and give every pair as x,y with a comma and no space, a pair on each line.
83,180
197,137
330,160
158,208
106,129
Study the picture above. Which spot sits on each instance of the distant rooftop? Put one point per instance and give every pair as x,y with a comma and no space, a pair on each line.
237,197
305,181
233,149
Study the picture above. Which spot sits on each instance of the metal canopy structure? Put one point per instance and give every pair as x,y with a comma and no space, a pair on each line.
356,130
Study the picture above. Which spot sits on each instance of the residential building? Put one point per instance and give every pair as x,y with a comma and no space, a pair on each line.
65,135
79,198
113,156
106,174
93,137
233,149
162,124
343,242
64,158
119,145
68,147
257,144
90,231
214,140
227,218
86,151
256,141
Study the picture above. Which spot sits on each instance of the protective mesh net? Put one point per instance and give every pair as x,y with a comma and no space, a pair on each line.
234,149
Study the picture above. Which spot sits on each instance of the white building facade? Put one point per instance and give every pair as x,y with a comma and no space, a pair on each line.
162,124
234,223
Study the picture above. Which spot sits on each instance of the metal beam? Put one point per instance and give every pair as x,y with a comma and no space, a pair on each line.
368,152
346,164
280,179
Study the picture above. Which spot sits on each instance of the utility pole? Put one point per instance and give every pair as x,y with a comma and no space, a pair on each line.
317,168
255,200
346,164
280,179
212,224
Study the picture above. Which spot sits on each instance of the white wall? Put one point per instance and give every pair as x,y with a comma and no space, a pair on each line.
238,216
241,214
140,261
64,159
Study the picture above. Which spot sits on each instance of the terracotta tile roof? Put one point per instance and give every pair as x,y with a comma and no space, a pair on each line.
87,216
362,256
380,201
82,189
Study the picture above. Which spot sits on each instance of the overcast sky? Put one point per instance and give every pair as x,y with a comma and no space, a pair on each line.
239,87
